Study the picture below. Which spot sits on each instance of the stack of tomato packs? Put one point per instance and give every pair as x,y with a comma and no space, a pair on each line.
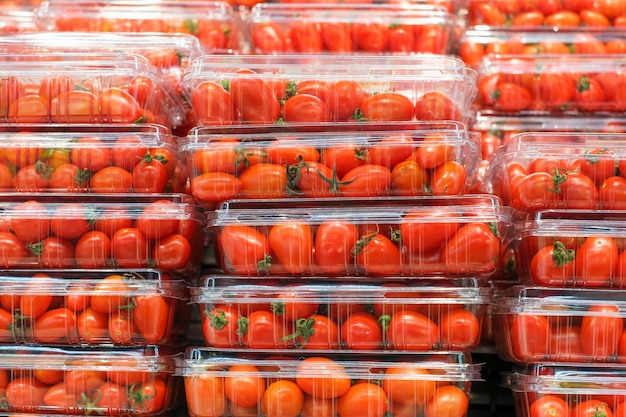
550,90
336,190
97,238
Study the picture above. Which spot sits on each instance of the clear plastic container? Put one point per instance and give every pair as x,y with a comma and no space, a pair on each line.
328,88
574,15
214,23
81,231
547,84
572,248
171,52
537,171
568,389
342,384
51,381
347,29
539,324
85,88
118,158
426,161
93,308
451,6
496,130
443,236
475,44
327,315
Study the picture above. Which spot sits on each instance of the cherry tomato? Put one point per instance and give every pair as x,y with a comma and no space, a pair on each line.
596,261
255,99
435,105
530,337
600,331
448,401
344,97
129,247
244,249
410,330
244,387
459,329
363,399
387,107
377,255
590,408
263,330
305,108
219,326
474,247
409,384
76,106
205,395
361,331
334,240
282,398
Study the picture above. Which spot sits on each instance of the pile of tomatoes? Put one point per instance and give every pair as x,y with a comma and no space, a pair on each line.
593,332
593,180
522,14
125,308
74,234
321,385
477,44
249,99
377,29
552,85
90,162
54,381
416,243
402,316
332,165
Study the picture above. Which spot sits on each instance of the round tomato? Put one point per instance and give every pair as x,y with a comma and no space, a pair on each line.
282,398
263,330
219,326
129,248
244,387
596,261
448,401
591,408
363,399
321,377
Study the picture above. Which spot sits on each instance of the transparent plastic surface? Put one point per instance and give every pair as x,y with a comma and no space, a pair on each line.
214,23
327,314
410,237
93,308
85,88
540,324
314,381
338,165
50,381
544,84
92,232
566,170
347,29
90,159
574,389
323,88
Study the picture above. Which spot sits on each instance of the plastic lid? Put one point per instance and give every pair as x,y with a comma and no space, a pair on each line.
477,208
569,379
444,366
219,289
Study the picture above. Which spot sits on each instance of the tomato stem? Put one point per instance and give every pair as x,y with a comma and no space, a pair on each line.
44,169
561,255
264,264
137,398
384,322
217,321
305,328
242,326
278,308
87,405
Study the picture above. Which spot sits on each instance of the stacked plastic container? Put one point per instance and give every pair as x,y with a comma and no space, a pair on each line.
337,196
99,240
549,91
